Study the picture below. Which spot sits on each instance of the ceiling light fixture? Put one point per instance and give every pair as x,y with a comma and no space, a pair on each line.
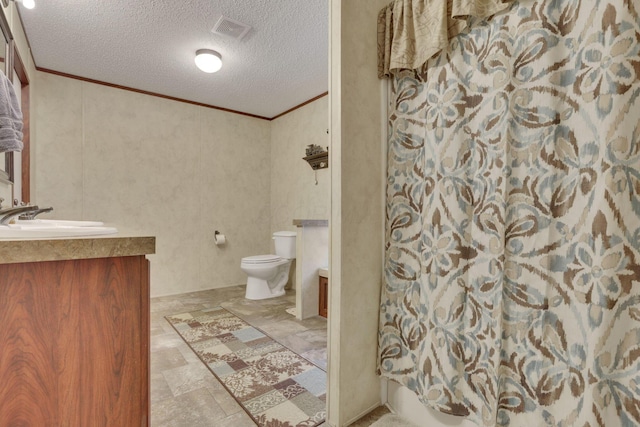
29,4
208,60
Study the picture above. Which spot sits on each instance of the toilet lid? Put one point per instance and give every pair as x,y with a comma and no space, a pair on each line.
261,259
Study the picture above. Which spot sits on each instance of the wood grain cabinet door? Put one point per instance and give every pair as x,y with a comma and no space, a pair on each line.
74,339
323,308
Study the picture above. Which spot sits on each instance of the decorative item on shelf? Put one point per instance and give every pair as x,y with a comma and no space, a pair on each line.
314,149
317,157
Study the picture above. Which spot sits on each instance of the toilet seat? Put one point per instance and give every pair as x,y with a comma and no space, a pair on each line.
261,259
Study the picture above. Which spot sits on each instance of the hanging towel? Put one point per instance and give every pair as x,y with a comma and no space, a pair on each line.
10,117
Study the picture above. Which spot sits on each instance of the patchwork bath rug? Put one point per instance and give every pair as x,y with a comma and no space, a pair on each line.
275,386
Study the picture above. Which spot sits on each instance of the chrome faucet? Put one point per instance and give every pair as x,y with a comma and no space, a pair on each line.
24,211
6,214
34,213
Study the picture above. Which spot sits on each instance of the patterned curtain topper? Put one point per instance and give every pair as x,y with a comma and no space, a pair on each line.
512,283
412,31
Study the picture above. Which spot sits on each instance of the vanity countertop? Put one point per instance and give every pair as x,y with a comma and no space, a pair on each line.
67,248
311,222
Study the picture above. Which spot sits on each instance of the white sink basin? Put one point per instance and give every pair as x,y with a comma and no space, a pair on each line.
46,228
58,222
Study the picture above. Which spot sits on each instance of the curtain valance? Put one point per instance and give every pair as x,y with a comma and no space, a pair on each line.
412,31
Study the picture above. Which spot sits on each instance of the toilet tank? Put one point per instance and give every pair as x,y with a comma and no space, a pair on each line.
285,244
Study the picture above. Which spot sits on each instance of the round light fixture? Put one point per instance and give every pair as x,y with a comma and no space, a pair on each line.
29,4
208,60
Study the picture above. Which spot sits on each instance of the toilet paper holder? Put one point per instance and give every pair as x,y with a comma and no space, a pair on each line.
219,238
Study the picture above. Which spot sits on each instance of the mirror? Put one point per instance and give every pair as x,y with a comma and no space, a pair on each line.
6,159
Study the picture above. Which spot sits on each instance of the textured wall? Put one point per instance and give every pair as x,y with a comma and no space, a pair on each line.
294,194
160,167
356,210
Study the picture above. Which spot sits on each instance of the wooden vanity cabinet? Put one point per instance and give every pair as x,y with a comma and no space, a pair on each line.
323,307
74,343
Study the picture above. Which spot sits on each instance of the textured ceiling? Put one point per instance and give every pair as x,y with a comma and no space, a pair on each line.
150,45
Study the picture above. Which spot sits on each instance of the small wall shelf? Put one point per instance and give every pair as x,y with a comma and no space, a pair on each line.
318,161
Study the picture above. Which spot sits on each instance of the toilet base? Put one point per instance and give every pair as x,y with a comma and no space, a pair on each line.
258,289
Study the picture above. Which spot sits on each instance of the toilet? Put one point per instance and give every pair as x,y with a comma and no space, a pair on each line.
267,275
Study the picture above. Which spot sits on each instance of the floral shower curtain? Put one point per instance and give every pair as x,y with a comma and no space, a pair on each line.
512,270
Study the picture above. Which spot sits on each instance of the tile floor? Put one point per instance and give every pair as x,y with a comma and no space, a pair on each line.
184,393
